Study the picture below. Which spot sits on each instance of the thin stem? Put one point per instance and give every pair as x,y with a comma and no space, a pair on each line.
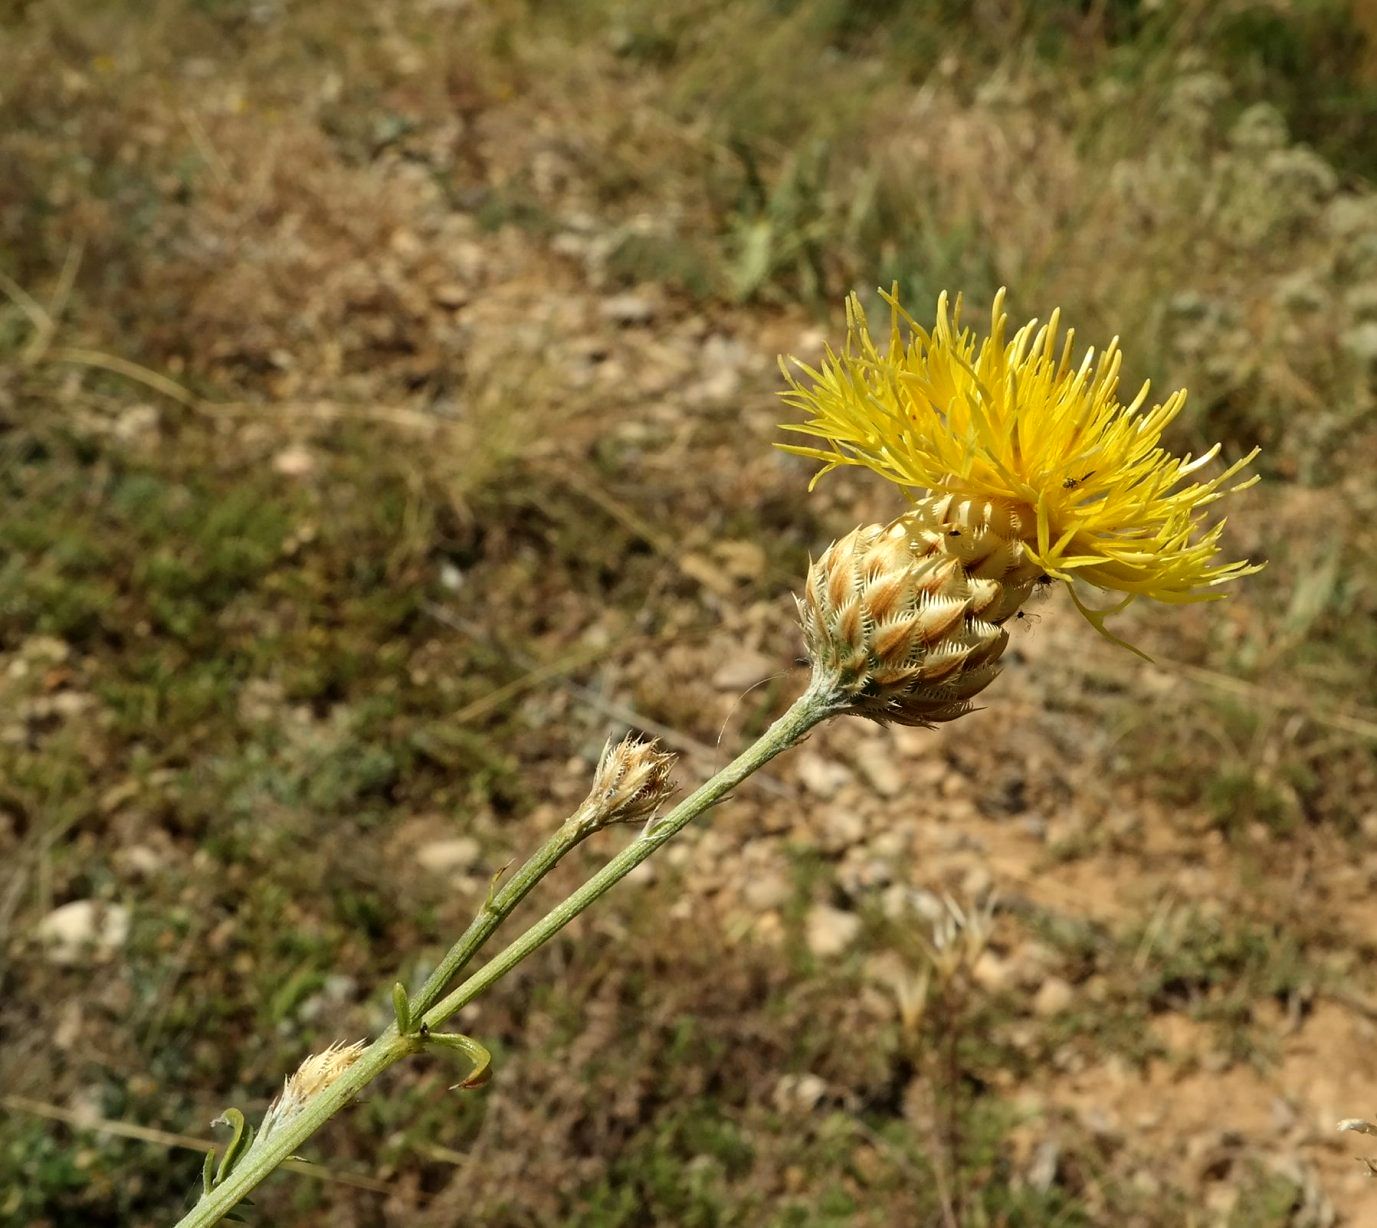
498,906
260,1161
268,1153
811,708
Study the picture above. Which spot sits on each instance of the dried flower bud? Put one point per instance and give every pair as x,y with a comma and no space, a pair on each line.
313,1076
631,781
905,620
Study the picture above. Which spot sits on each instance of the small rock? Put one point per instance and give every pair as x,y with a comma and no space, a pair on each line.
86,1105
928,905
976,883
743,669
895,903
879,767
140,860
1361,342
725,352
67,1034
67,704
721,363
1147,1183
860,875
452,295
839,828
1284,1115
1032,962
340,988
770,929
45,650
449,856
326,1003
1042,1170
136,421
744,561
992,972
572,245
830,931
820,776
719,384
810,345
760,928
1215,1061
84,931
764,891
628,309
1055,997
799,1093
294,462
1100,1122
953,785
892,844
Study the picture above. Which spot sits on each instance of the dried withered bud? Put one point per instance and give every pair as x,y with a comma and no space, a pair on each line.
311,1078
904,621
632,780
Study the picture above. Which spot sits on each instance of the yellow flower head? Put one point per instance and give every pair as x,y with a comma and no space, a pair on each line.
1017,422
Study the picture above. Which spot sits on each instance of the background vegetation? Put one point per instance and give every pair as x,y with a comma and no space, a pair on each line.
387,396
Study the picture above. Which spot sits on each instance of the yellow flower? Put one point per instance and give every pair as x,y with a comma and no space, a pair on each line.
1016,423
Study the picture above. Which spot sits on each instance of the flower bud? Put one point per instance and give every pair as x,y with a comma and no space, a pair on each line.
311,1078
904,620
631,781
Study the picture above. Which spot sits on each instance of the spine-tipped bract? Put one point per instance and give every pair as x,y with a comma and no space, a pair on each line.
904,620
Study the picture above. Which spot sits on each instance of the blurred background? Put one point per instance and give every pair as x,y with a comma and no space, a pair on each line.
388,397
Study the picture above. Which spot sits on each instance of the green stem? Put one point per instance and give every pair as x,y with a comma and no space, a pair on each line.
815,705
811,708
268,1153
498,907
260,1161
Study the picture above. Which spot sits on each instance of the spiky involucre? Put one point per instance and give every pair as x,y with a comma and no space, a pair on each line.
632,779
905,620
311,1078
1018,423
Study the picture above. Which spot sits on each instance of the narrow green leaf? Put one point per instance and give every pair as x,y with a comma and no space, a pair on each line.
238,1140
490,903
401,1005
471,1049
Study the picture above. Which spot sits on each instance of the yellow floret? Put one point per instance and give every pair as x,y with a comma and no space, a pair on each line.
1018,422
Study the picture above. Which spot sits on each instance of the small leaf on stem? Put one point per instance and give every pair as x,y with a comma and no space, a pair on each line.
471,1049
401,1005
235,1147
